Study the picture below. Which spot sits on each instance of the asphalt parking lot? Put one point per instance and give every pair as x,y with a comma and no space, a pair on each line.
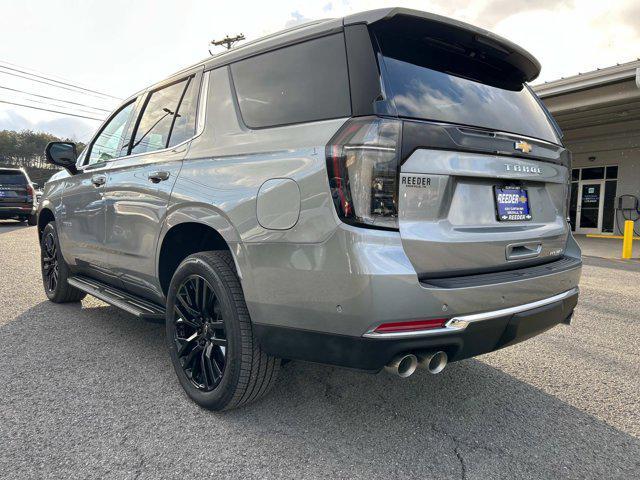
87,391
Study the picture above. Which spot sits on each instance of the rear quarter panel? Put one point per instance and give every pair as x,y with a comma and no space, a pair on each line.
226,166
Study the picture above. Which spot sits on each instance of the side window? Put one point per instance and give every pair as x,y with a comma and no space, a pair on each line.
106,146
300,83
161,112
185,125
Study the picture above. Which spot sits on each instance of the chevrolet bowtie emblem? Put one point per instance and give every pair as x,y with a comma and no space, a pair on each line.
523,146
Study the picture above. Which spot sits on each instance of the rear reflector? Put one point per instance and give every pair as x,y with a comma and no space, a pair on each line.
411,325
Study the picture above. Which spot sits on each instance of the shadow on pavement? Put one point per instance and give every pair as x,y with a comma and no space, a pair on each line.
7,226
90,392
631,265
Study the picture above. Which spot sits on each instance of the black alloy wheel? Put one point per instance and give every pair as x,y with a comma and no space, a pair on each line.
200,336
55,271
217,359
50,265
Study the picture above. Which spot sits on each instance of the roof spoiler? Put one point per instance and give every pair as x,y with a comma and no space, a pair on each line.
525,66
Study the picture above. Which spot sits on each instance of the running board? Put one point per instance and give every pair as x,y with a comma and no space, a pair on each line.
142,309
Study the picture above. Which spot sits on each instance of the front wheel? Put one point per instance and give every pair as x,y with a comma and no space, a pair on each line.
55,271
210,338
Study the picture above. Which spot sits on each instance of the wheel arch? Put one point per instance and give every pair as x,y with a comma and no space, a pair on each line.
190,230
44,217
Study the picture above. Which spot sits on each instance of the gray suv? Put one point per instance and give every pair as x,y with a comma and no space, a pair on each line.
380,190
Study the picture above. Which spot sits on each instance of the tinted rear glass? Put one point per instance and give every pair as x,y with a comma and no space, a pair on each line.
300,83
12,178
427,82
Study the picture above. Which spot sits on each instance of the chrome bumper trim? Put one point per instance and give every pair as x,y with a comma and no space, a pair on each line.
457,324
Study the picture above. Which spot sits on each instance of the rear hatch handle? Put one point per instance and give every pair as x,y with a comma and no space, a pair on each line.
519,251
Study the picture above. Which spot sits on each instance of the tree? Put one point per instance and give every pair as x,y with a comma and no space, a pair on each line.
26,148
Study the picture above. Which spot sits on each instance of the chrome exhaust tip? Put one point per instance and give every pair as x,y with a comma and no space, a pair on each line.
434,362
403,365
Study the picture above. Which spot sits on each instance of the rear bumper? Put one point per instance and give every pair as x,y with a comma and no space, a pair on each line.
463,337
360,278
318,302
16,211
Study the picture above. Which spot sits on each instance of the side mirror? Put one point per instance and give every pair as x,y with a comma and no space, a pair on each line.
62,154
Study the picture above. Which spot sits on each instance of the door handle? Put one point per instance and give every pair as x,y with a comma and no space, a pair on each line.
98,180
157,177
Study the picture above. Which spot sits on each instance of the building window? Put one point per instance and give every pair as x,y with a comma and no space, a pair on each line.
608,190
573,205
592,173
608,209
575,174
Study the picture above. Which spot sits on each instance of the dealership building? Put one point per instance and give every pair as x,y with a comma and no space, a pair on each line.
599,114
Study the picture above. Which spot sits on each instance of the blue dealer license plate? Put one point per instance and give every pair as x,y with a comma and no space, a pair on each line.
512,204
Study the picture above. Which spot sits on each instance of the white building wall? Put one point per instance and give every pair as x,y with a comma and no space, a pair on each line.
617,144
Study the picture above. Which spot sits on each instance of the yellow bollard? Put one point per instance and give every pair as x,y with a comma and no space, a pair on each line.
627,242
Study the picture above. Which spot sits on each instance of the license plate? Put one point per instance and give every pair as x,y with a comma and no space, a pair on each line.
512,204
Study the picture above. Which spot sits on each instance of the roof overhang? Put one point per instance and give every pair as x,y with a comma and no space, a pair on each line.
588,80
606,97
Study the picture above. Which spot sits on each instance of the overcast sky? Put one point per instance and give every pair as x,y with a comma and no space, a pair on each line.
121,46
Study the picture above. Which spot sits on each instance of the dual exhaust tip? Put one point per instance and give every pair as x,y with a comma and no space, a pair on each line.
405,365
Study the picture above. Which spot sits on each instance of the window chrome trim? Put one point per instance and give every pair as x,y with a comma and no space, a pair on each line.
97,166
458,324
200,113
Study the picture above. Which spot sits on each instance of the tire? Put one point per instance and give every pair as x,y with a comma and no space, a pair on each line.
210,337
55,271
32,220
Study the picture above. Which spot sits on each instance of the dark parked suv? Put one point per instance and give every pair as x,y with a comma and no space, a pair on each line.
17,196
381,190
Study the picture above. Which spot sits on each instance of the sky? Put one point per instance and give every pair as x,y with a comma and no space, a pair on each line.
118,47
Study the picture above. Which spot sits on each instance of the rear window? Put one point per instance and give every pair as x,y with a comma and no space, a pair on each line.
431,81
301,83
12,178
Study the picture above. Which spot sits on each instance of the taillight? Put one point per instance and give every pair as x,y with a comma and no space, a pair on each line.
362,163
30,192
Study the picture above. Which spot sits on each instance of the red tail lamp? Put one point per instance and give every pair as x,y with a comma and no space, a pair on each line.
411,325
